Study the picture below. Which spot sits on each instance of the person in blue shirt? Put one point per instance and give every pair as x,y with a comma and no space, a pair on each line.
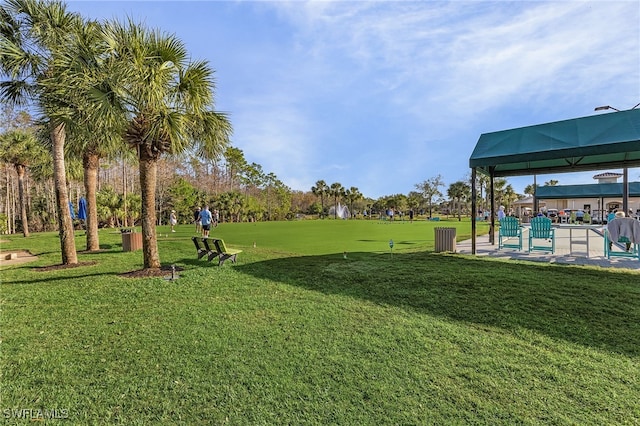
205,218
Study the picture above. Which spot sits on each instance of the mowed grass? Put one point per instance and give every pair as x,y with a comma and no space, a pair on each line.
296,334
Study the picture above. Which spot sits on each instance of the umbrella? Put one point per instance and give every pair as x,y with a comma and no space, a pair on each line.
82,209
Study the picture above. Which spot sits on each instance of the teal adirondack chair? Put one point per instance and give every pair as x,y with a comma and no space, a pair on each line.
509,228
632,249
541,229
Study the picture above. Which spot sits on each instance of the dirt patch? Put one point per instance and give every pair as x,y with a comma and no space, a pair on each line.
151,272
22,256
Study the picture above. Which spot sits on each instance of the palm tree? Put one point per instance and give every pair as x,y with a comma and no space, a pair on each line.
169,104
336,190
321,189
509,195
21,148
353,194
90,139
34,34
458,192
483,182
499,185
530,189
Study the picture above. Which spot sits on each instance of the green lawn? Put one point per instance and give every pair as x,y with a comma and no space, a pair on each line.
296,334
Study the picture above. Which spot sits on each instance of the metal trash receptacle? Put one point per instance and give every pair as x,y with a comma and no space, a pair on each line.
445,239
131,240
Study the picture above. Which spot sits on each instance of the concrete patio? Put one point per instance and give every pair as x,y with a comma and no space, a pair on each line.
571,248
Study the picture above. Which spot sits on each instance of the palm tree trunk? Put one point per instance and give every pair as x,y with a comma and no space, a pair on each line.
90,163
148,175
20,169
124,192
6,200
65,224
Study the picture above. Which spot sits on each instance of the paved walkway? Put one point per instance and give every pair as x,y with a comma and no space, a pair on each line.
575,253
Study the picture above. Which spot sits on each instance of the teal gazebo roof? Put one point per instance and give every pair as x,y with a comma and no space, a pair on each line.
592,190
588,143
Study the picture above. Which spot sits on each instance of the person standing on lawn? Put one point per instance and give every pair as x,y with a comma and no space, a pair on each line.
216,217
197,221
173,220
205,218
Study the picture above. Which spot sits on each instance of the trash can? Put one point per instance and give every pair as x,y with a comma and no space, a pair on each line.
445,239
131,240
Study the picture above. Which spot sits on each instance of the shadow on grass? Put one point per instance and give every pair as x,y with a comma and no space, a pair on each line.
590,307
50,280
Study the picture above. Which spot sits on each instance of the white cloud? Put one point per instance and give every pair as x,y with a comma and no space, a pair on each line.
441,68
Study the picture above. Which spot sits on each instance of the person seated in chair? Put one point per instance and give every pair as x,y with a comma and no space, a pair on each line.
620,233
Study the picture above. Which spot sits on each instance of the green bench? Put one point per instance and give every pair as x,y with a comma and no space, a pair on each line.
224,252
219,250
201,251
204,251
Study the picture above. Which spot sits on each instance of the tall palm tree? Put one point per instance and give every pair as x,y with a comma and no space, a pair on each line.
169,104
320,189
459,192
20,148
353,194
483,182
32,34
509,195
88,138
336,190
499,185
530,189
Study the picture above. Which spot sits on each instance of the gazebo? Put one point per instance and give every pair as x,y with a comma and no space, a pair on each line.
581,144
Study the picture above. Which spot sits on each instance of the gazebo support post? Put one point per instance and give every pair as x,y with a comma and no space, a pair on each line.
625,191
536,208
474,210
492,224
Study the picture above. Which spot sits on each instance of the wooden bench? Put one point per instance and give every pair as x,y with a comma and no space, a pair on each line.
225,253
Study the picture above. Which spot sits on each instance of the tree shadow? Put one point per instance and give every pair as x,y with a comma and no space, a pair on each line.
45,279
576,304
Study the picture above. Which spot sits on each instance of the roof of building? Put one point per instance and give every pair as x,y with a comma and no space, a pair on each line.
607,175
589,143
592,190
526,200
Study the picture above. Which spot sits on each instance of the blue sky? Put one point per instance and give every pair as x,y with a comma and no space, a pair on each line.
382,95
